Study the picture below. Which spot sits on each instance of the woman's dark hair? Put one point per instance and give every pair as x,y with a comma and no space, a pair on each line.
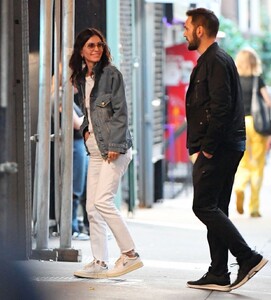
77,62
206,18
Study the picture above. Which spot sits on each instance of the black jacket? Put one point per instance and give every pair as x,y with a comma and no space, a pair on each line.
214,105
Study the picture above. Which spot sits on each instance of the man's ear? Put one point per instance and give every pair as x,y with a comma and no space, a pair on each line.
200,31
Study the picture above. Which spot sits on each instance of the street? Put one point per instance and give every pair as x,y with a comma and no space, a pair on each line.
172,244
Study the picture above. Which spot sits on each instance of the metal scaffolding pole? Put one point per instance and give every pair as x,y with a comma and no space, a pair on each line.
135,83
67,124
145,131
148,72
64,147
57,143
44,125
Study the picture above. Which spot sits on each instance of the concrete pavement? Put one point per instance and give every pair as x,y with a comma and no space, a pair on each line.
172,244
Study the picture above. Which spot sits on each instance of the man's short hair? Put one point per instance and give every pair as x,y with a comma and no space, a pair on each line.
206,18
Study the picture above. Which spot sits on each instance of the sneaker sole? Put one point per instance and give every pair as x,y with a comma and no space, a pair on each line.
251,273
213,287
90,276
127,270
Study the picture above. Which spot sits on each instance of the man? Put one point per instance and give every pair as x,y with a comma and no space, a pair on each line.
216,135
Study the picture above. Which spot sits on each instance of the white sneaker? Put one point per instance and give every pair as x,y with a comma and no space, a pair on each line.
92,270
80,236
125,264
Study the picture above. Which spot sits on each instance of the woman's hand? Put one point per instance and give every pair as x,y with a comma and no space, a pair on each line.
112,156
86,135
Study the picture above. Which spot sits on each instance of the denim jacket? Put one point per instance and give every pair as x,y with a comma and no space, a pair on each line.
108,111
214,104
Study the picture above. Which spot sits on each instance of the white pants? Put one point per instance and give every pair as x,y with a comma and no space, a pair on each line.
102,185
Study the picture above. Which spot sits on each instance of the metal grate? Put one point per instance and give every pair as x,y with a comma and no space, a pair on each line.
126,51
158,111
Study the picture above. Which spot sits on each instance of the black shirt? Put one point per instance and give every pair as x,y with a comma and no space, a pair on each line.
247,86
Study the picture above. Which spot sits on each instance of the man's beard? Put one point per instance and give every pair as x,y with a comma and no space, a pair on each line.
194,44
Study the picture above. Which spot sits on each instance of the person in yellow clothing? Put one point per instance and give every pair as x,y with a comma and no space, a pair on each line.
251,168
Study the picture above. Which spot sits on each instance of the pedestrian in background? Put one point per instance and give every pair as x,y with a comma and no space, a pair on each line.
102,98
80,162
216,132
251,168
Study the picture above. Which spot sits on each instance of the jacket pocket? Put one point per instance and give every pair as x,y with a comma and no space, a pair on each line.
104,100
201,87
103,112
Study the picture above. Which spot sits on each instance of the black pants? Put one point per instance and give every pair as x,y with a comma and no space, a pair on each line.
213,180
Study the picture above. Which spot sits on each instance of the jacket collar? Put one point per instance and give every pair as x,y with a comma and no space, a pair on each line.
209,50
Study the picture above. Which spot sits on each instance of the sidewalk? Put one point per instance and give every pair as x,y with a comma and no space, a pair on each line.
172,244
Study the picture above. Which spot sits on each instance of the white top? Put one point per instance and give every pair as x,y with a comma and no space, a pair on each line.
88,88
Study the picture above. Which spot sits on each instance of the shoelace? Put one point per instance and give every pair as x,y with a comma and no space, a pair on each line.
124,258
89,265
95,262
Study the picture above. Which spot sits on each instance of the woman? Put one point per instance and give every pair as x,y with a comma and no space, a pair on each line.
108,142
251,167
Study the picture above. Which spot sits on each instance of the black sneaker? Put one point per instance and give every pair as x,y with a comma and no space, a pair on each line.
248,269
212,282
